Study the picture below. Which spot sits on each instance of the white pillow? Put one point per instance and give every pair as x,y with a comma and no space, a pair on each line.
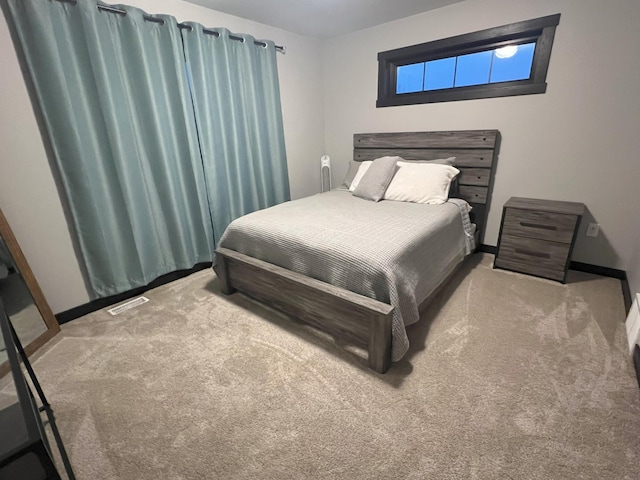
421,183
362,169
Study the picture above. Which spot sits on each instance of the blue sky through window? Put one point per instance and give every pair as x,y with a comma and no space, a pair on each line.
473,69
410,78
480,68
439,73
516,67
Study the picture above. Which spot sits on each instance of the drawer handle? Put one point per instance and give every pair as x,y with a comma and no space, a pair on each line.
536,225
532,253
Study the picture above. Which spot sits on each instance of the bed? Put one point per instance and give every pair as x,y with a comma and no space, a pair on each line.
360,269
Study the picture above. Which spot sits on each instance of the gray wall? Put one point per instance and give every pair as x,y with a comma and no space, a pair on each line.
578,142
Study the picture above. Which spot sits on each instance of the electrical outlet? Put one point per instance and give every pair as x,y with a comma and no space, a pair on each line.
593,229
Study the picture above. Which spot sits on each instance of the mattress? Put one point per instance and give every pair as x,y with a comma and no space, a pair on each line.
395,252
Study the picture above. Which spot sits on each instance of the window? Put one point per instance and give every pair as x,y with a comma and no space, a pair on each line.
498,62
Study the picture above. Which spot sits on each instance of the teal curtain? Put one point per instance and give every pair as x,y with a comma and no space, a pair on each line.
237,105
116,108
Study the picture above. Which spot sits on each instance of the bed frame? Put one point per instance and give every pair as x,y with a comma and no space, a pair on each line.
355,318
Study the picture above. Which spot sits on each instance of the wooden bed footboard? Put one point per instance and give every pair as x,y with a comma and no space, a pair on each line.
361,320
355,318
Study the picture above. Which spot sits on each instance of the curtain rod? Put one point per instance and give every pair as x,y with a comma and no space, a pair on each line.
207,31
151,18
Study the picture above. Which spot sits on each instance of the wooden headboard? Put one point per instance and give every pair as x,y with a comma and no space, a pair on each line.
476,153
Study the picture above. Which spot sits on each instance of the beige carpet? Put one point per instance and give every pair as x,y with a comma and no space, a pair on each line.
509,377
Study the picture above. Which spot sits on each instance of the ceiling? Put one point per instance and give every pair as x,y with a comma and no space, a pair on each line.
323,18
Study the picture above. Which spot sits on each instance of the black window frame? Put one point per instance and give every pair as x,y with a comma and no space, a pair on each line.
539,30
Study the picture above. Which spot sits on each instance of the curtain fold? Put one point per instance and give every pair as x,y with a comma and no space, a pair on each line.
236,97
116,107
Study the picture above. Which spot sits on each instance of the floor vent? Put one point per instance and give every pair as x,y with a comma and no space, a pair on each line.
128,305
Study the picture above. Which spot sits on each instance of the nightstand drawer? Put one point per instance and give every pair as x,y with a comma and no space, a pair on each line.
528,255
531,269
555,227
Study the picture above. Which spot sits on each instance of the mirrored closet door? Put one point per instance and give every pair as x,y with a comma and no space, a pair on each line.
23,300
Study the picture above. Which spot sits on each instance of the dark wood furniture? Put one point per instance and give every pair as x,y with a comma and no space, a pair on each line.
347,315
476,153
537,236
25,451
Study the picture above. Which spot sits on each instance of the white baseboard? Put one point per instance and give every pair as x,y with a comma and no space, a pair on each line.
633,323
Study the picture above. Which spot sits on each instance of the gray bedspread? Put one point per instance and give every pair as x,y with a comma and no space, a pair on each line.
394,252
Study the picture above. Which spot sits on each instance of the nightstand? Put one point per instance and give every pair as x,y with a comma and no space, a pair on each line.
537,236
